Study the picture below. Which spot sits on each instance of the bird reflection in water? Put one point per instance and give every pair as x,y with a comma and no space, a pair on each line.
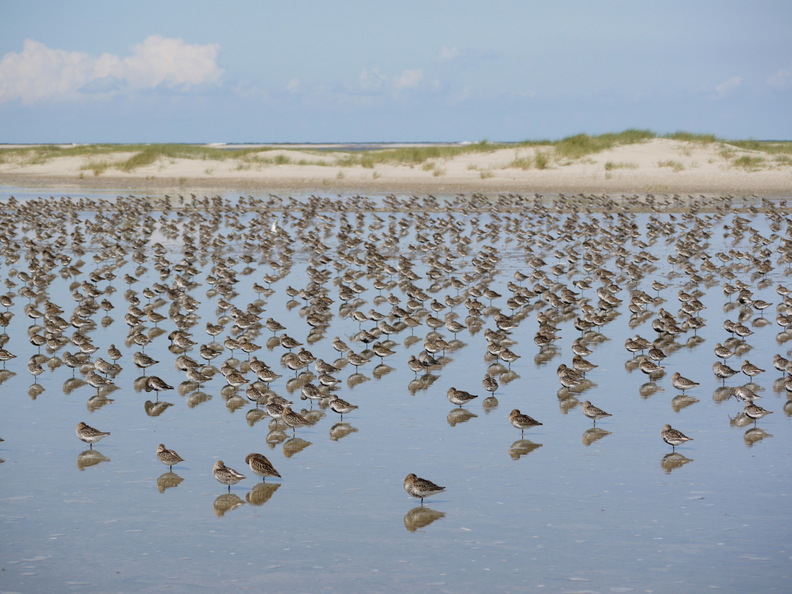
673,461
741,420
522,447
275,436
755,435
6,374
489,404
421,517
254,415
356,379
382,370
96,402
593,434
567,402
649,389
35,390
197,397
722,393
261,493
168,480
293,446
226,502
459,415
422,383
155,409
681,401
341,430
90,458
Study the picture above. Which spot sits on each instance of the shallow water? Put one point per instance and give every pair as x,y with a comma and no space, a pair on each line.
565,508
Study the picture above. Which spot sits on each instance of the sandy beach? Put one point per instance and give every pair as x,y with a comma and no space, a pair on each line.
659,165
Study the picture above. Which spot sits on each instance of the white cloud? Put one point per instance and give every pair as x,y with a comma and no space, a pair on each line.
293,85
446,54
781,79
40,73
408,79
371,80
374,84
728,86
172,62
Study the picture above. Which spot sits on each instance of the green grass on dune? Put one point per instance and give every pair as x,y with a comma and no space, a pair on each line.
129,157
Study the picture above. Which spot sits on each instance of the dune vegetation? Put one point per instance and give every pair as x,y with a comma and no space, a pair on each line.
99,158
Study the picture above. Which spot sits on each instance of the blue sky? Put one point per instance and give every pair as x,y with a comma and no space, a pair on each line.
353,70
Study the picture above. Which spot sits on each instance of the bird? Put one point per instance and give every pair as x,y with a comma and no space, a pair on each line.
592,412
168,457
745,393
90,435
142,360
292,419
490,383
261,466
341,406
673,437
680,382
750,369
522,421
723,371
156,384
459,397
225,475
420,487
723,352
113,352
755,411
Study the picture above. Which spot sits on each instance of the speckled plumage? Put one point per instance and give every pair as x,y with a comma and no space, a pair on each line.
261,466
90,435
420,487
673,437
168,457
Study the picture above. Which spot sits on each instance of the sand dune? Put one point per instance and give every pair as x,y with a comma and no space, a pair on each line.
658,165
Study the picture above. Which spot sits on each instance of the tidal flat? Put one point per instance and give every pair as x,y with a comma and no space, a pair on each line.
426,293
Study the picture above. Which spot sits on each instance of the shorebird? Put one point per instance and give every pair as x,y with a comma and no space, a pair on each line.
569,378
723,352
723,371
459,397
311,392
90,435
142,360
680,382
780,363
154,383
490,383
341,406
168,457
291,418
755,411
673,437
225,475
522,421
582,365
750,369
420,487
261,466
592,412
97,381
745,393
636,344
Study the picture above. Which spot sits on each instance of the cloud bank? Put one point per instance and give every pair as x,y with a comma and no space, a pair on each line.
40,73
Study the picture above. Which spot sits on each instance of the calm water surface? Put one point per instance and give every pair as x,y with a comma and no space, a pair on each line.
563,509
